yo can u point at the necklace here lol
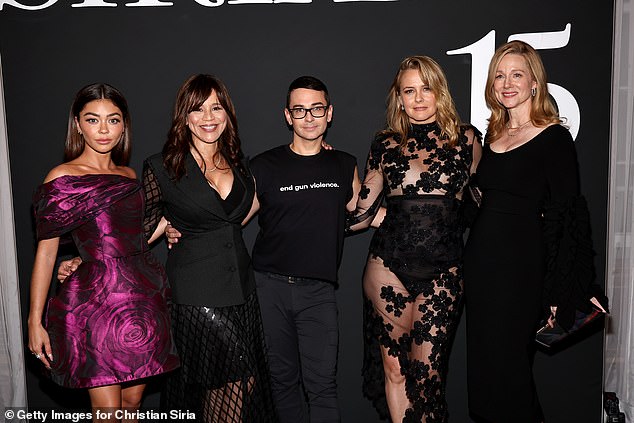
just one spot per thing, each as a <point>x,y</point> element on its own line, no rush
<point>516,130</point>
<point>216,164</point>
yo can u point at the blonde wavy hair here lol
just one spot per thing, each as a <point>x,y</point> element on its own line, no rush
<point>543,111</point>
<point>397,121</point>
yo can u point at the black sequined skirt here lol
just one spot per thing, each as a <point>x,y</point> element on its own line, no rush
<point>224,374</point>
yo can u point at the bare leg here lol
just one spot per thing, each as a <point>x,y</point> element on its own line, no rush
<point>415,337</point>
<point>396,322</point>
<point>131,399</point>
<point>106,400</point>
<point>394,387</point>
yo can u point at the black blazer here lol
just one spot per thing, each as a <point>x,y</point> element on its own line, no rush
<point>210,265</point>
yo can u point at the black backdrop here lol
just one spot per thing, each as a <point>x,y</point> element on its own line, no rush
<point>257,49</point>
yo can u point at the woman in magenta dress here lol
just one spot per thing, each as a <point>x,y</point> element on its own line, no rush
<point>108,326</point>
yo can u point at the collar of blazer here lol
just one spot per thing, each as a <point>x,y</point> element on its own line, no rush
<point>194,186</point>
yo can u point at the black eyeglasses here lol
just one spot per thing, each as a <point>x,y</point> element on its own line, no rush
<point>316,112</point>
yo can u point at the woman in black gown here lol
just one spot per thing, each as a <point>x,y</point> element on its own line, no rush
<point>529,246</point>
<point>413,278</point>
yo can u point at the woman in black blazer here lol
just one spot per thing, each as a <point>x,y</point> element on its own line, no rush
<point>201,184</point>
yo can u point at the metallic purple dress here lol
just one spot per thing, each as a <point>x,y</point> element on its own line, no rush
<point>109,321</point>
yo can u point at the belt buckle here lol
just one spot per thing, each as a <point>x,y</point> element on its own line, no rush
<point>291,280</point>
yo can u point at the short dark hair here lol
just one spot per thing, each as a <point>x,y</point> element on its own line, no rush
<point>308,82</point>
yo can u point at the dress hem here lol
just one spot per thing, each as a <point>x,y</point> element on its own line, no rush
<point>114,381</point>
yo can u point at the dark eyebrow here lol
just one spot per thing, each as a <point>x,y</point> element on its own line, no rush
<point>95,114</point>
<point>301,106</point>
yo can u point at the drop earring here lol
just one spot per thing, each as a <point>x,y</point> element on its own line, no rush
<point>533,91</point>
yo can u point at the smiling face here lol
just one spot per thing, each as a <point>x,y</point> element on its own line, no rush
<point>308,128</point>
<point>101,124</point>
<point>207,122</point>
<point>417,98</point>
<point>513,82</point>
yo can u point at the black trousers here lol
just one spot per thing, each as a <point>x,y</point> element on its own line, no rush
<point>301,333</point>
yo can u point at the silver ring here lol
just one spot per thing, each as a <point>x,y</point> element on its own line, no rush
<point>38,356</point>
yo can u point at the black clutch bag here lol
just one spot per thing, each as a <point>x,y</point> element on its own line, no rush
<point>556,336</point>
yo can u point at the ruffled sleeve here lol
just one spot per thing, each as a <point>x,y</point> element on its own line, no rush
<point>68,202</point>
<point>570,273</point>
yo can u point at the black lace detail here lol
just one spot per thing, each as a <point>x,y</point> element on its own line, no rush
<point>413,279</point>
<point>153,201</point>
<point>395,302</point>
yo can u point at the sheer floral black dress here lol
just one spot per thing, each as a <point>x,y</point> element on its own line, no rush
<point>413,277</point>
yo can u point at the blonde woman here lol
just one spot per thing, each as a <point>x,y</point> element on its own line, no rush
<point>421,164</point>
<point>529,250</point>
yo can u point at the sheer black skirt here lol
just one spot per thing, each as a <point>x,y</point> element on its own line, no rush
<point>224,375</point>
<point>416,325</point>
<point>413,289</point>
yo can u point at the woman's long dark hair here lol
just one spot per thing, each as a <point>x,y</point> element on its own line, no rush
<point>75,141</point>
<point>194,92</point>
